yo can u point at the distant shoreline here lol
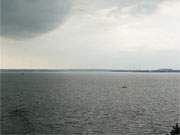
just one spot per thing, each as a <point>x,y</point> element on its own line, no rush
<point>91,70</point>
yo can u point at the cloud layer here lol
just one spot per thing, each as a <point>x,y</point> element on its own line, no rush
<point>28,18</point>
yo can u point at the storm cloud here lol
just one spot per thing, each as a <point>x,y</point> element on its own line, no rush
<point>29,18</point>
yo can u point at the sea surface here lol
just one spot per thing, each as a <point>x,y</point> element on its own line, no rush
<point>89,103</point>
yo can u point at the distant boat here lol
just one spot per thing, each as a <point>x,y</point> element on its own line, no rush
<point>124,86</point>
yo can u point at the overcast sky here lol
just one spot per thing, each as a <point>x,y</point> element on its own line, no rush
<point>108,34</point>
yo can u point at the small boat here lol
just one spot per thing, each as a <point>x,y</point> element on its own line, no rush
<point>124,86</point>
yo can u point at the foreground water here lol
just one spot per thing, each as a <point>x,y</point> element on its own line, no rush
<point>94,103</point>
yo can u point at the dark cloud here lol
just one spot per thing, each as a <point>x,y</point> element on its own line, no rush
<point>28,18</point>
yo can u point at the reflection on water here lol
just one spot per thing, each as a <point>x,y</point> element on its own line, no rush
<point>89,103</point>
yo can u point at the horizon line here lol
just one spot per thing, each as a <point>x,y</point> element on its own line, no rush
<point>86,69</point>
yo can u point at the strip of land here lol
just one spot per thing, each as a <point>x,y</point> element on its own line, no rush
<point>89,70</point>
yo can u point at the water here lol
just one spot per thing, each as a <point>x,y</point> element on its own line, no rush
<point>89,103</point>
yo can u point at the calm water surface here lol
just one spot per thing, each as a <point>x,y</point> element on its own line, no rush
<point>94,103</point>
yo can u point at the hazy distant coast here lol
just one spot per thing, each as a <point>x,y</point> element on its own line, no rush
<point>90,70</point>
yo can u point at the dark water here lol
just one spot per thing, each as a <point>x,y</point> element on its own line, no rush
<point>89,103</point>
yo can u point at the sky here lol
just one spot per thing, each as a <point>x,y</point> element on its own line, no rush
<point>86,34</point>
